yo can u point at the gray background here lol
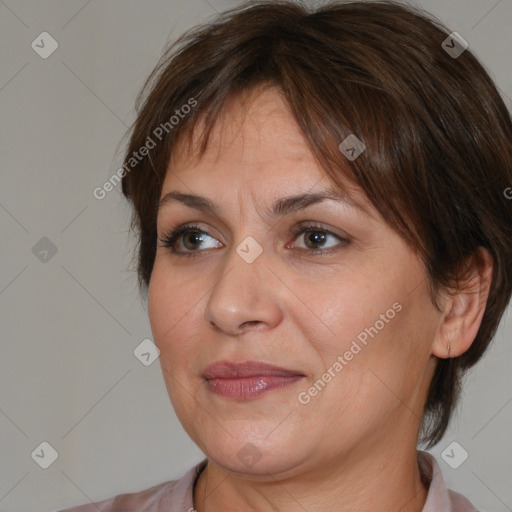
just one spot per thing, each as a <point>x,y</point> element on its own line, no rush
<point>70,324</point>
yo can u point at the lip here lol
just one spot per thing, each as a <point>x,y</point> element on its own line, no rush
<point>232,370</point>
<point>248,379</point>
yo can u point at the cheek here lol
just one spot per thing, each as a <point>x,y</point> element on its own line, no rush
<point>172,313</point>
<point>342,310</point>
<point>174,317</point>
<point>392,365</point>
<point>374,325</point>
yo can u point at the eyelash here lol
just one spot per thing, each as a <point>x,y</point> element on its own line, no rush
<point>169,240</point>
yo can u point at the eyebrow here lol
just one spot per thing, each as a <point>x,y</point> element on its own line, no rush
<point>281,207</point>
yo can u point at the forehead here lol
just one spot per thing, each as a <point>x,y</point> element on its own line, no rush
<point>258,150</point>
<point>256,136</point>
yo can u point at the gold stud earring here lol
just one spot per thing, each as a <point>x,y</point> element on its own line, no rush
<point>448,349</point>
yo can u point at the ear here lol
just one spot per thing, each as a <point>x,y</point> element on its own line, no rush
<point>464,308</point>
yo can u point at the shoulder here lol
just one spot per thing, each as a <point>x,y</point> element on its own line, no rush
<point>460,503</point>
<point>128,502</point>
<point>175,495</point>
<point>439,497</point>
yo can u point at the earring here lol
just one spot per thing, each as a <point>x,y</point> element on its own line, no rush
<point>448,349</point>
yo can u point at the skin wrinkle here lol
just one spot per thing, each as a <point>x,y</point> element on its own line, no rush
<point>354,443</point>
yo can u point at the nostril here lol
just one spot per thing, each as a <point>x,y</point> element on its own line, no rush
<point>250,322</point>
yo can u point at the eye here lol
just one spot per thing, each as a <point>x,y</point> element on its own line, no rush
<point>189,237</point>
<point>316,237</point>
<point>187,240</point>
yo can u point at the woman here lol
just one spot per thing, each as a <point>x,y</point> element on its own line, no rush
<point>325,242</point>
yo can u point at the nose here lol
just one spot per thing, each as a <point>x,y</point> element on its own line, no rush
<point>245,297</point>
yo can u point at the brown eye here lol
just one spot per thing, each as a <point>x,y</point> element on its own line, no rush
<point>313,238</point>
<point>194,238</point>
<point>186,240</point>
<point>316,237</point>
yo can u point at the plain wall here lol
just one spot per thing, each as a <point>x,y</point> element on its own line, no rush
<point>70,324</point>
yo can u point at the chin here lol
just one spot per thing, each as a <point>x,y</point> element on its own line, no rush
<point>251,452</point>
<point>254,460</point>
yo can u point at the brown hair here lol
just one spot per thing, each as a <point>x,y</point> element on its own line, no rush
<point>438,136</point>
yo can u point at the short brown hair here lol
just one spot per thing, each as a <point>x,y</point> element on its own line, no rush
<point>438,136</point>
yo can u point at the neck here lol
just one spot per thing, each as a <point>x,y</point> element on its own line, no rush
<point>362,484</point>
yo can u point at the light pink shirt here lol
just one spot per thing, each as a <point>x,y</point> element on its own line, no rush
<point>177,495</point>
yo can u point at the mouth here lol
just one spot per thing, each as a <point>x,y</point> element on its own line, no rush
<point>247,380</point>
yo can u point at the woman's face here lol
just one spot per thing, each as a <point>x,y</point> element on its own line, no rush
<point>352,328</point>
